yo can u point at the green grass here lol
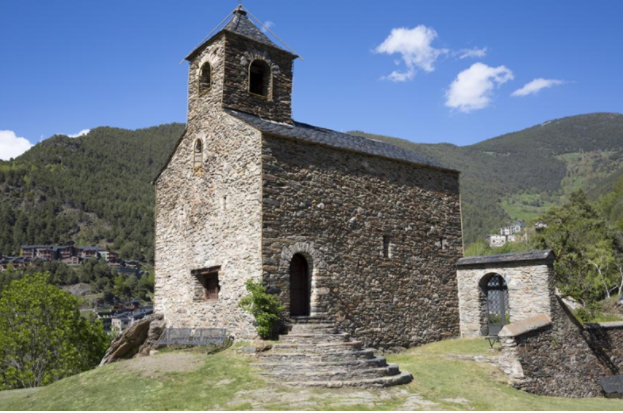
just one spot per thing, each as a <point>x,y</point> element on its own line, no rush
<point>445,378</point>
<point>525,207</point>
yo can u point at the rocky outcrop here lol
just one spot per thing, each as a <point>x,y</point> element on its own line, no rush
<point>130,342</point>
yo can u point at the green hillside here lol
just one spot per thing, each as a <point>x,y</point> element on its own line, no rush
<point>93,189</point>
<point>96,189</point>
<point>521,174</point>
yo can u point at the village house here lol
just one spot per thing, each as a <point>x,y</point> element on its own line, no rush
<point>343,229</point>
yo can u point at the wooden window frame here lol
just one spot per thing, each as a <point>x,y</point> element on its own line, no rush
<point>205,277</point>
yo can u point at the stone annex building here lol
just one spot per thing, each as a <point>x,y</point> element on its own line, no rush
<point>358,232</point>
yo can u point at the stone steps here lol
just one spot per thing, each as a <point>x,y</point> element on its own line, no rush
<point>309,319</point>
<point>313,328</point>
<point>310,338</point>
<point>387,381</point>
<point>323,365</point>
<point>315,354</point>
<point>317,357</point>
<point>318,348</point>
<point>331,374</point>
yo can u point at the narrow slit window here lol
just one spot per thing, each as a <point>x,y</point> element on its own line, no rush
<point>207,286</point>
<point>205,78</point>
<point>259,78</point>
<point>198,156</point>
<point>386,246</point>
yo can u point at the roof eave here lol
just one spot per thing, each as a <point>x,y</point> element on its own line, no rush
<point>423,165</point>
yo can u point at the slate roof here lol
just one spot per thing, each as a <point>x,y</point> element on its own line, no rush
<point>241,25</point>
<point>513,256</point>
<point>328,137</point>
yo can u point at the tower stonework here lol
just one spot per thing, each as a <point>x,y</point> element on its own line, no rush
<point>231,53</point>
<point>366,234</point>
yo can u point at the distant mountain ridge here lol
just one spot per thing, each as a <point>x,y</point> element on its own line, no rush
<point>96,189</point>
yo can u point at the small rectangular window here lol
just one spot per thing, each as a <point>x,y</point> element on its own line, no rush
<point>207,286</point>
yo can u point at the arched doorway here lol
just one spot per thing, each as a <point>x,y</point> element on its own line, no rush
<point>498,313</point>
<point>299,286</point>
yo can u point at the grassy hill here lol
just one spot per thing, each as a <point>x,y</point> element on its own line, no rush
<point>450,375</point>
<point>96,189</point>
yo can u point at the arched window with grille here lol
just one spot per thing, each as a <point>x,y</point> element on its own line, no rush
<point>205,78</point>
<point>259,78</point>
<point>198,156</point>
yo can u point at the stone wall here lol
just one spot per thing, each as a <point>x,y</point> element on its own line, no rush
<point>530,291</point>
<point>335,207</point>
<point>206,218</point>
<point>564,358</point>
<point>239,53</point>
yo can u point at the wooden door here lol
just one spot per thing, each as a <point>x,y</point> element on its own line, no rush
<point>299,286</point>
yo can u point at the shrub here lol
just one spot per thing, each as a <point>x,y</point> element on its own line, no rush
<point>265,307</point>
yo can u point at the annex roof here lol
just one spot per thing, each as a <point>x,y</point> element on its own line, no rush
<point>536,255</point>
<point>328,137</point>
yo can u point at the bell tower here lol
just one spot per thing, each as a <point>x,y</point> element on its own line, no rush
<point>240,68</point>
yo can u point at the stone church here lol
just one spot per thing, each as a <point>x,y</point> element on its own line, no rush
<point>341,228</point>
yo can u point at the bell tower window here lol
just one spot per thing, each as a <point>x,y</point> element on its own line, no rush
<point>198,156</point>
<point>205,78</point>
<point>259,78</point>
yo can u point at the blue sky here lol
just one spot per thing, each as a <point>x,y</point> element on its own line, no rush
<point>442,71</point>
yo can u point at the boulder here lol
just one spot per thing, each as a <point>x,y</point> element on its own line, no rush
<point>128,343</point>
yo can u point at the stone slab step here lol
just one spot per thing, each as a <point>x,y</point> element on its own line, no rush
<point>314,338</point>
<point>350,365</point>
<point>324,328</point>
<point>333,374</point>
<point>317,348</point>
<point>273,356</point>
<point>320,318</point>
<point>387,381</point>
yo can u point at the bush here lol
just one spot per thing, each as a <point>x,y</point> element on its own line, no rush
<point>589,313</point>
<point>265,307</point>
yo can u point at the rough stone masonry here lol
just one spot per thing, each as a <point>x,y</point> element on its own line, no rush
<point>248,189</point>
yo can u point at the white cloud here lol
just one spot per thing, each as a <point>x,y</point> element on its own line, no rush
<point>81,133</point>
<point>533,87</point>
<point>267,25</point>
<point>473,87</point>
<point>12,146</point>
<point>475,52</point>
<point>414,46</point>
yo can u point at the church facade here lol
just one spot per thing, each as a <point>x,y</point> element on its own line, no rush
<point>341,228</point>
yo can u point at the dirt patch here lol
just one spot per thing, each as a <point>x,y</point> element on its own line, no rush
<point>162,363</point>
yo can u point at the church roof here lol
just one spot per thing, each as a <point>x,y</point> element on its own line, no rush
<point>241,25</point>
<point>328,137</point>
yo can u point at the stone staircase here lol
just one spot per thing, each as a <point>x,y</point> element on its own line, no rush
<point>315,354</point>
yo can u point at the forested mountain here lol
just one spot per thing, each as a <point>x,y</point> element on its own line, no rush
<point>96,189</point>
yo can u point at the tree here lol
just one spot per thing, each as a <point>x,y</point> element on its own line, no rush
<point>43,338</point>
<point>585,245</point>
